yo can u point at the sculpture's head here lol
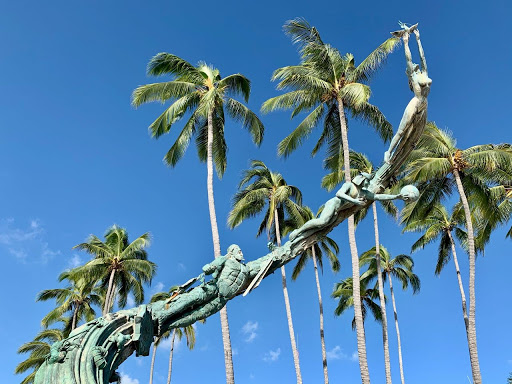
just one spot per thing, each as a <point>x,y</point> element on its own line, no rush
<point>419,82</point>
<point>235,251</point>
<point>362,180</point>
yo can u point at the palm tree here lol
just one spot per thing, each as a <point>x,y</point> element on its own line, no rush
<point>437,165</point>
<point>360,163</point>
<point>201,91</point>
<point>400,268</point>
<point>344,291</point>
<point>501,198</point>
<point>260,188</point>
<point>440,225</point>
<point>188,331</point>
<point>39,350</point>
<point>328,84</point>
<point>119,266</point>
<point>315,253</point>
<point>76,298</point>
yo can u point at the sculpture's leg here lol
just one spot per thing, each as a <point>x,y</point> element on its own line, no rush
<point>205,311</point>
<point>196,298</point>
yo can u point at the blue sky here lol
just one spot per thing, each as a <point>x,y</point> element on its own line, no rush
<point>75,158</point>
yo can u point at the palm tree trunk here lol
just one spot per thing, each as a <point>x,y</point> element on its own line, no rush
<point>112,298</point>
<point>321,307</point>
<point>387,362</point>
<point>473,351</point>
<point>397,331</point>
<point>228,358</point>
<point>153,362</point>
<point>74,321</point>
<point>109,290</point>
<point>358,313</point>
<point>459,278</point>
<point>295,351</point>
<point>170,356</point>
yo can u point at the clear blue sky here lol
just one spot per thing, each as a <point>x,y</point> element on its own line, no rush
<point>75,158</point>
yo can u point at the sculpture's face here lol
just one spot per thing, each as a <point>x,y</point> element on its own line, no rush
<point>236,252</point>
<point>421,83</point>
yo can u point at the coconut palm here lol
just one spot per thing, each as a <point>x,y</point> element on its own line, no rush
<point>344,291</point>
<point>501,196</point>
<point>360,163</point>
<point>315,253</point>
<point>188,332</point>
<point>261,189</point>
<point>39,349</point>
<point>445,227</point>
<point>201,92</point>
<point>401,268</point>
<point>327,85</point>
<point>119,266</point>
<point>76,298</point>
<point>438,165</point>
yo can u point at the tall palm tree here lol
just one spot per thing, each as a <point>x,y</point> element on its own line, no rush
<point>401,268</point>
<point>261,189</point>
<point>344,291</point>
<point>201,92</point>
<point>437,165</point>
<point>315,253</point>
<point>119,266</point>
<point>360,163</point>
<point>76,298</point>
<point>328,84</point>
<point>443,226</point>
<point>39,350</point>
<point>188,331</point>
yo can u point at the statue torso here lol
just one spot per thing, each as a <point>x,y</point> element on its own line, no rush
<point>231,278</point>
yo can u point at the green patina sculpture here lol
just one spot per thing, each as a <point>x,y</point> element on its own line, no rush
<point>92,353</point>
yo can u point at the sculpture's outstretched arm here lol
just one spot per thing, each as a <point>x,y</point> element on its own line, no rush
<point>408,55</point>
<point>420,49</point>
<point>379,196</point>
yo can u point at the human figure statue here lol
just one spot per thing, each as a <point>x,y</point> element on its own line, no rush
<point>415,115</point>
<point>92,352</point>
<point>350,193</point>
<point>228,275</point>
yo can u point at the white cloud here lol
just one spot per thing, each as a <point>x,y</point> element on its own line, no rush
<point>74,261</point>
<point>249,330</point>
<point>139,361</point>
<point>20,254</point>
<point>158,287</point>
<point>182,266</point>
<point>130,301</point>
<point>47,254</point>
<point>125,379</point>
<point>272,355</point>
<point>25,244</point>
<point>336,353</point>
<point>234,351</point>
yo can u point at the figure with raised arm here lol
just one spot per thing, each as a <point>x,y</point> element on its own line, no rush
<point>415,115</point>
<point>350,193</point>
